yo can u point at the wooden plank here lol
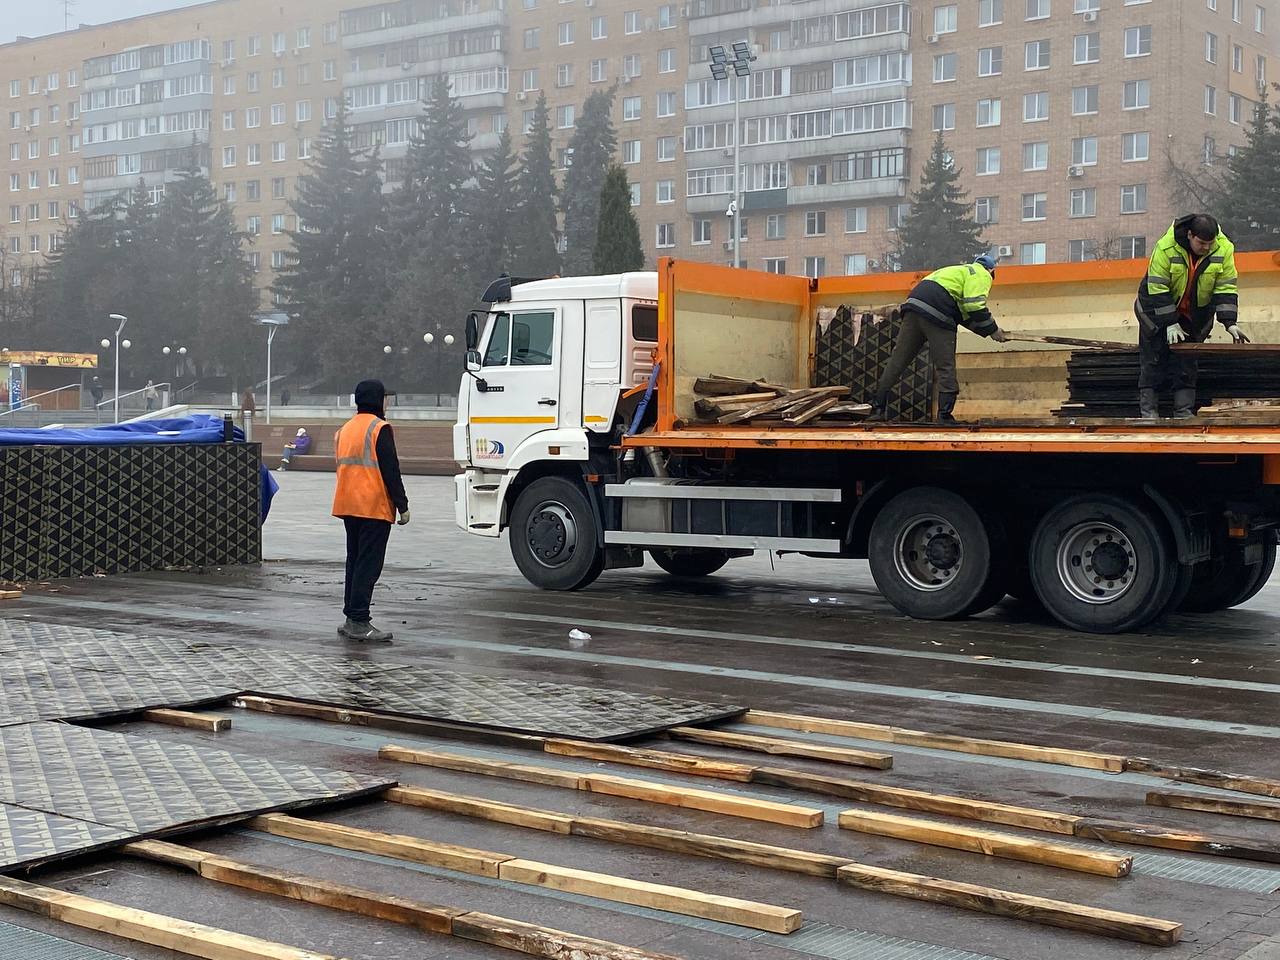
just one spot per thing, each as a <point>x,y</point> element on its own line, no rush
<point>689,798</point>
<point>783,402</point>
<point>1047,821</point>
<point>183,718</point>
<point>939,741</point>
<point>658,759</point>
<point>170,933</point>
<point>1005,903</point>
<point>482,863</point>
<point>1258,810</point>
<point>988,842</point>
<point>670,795</point>
<point>809,413</point>
<point>658,896</point>
<point>1240,783</point>
<point>543,941</point>
<point>721,386</point>
<point>1151,835</point>
<point>519,816</point>
<point>10,594</point>
<point>783,747</point>
<point>489,768</point>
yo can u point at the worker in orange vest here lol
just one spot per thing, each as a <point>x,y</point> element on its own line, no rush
<point>369,495</point>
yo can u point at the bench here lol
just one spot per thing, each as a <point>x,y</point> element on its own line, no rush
<point>425,448</point>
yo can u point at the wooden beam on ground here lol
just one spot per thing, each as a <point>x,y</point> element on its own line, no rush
<point>491,810</point>
<point>669,795</point>
<point>447,856</point>
<point>939,741</point>
<point>782,747</point>
<point>183,718</point>
<point>988,842</point>
<point>657,759</point>
<point>1240,783</point>
<point>10,594</point>
<point>658,896</point>
<point>170,933</point>
<point>430,918</point>
<point>1153,835</point>
<point>1257,810</point>
<point>1004,903</point>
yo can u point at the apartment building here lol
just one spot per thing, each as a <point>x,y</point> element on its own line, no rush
<point>1062,115</point>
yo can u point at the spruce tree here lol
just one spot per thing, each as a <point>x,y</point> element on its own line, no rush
<point>617,247</point>
<point>594,144</point>
<point>334,279</point>
<point>494,212</point>
<point>534,251</point>
<point>1249,204</point>
<point>940,229</point>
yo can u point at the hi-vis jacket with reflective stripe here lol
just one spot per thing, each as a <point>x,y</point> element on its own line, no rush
<point>1212,279</point>
<point>955,296</point>
<point>361,491</point>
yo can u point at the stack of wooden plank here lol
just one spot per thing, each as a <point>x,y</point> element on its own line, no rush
<point>728,400</point>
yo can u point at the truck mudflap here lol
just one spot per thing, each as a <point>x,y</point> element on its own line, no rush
<point>477,504</point>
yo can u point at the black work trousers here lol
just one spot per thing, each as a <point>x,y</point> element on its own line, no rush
<point>366,551</point>
<point>914,333</point>
<point>1160,368</point>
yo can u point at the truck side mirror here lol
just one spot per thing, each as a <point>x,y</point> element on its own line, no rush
<point>473,334</point>
<point>473,360</point>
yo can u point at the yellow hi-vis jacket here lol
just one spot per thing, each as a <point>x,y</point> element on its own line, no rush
<point>1178,288</point>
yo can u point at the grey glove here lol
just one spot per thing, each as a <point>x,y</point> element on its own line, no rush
<point>999,336</point>
<point>1174,333</point>
<point>404,518</point>
<point>1237,335</point>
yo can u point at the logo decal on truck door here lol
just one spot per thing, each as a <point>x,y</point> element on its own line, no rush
<point>489,449</point>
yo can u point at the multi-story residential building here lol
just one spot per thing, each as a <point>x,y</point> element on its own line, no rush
<point>1062,115</point>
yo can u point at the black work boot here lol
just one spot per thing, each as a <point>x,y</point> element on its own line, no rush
<point>947,404</point>
<point>363,632</point>
<point>879,409</point>
<point>1184,404</point>
<point>1148,404</point>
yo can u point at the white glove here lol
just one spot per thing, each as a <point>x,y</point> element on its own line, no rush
<point>1237,335</point>
<point>1174,333</point>
<point>404,518</point>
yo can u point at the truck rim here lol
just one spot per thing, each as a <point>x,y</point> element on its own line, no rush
<point>1096,562</point>
<point>928,552</point>
<point>552,534</point>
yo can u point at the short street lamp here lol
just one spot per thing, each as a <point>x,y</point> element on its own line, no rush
<point>740,62</point>
<point>273,322</point>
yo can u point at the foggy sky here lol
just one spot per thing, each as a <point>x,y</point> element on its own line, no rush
<point>35,18</point>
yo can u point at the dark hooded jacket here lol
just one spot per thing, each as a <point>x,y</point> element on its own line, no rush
<point>371,397</point>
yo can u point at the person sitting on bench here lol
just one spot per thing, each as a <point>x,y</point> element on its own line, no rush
<point>298,446</point>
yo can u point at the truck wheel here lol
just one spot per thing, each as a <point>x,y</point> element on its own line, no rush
<point>930,554</point>
<point>554,537</point>
<point>1260,574</point>
<point>1103,564</point>
<point>689,563</point>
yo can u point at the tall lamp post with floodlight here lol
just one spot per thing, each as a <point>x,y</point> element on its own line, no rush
<point>740,63</point>
<point>273,322</point>
<point>121,320</point>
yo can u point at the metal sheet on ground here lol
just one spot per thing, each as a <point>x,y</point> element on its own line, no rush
<point>30,837</point>
<point>27,944</point>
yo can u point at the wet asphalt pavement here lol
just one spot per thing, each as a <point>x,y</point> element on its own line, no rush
<point>785,634</point>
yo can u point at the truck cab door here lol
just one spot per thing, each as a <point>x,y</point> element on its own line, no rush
<point>517,393</point>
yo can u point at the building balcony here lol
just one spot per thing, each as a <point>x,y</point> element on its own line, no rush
<point>426,28</point>
<point>398,71</point>
<point>885,188</point>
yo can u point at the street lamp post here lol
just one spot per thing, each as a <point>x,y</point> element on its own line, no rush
<point>273,322</point>
<point>122,320</point>
<point>741,64</point>
<point>428,339</point>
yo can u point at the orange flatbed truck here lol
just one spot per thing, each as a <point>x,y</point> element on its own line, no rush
<point>576,434</point>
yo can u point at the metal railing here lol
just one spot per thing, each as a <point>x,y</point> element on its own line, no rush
<point>29,403</point>
<point>158,387</point>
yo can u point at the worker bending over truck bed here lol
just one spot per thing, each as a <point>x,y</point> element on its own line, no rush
<point>1191,277</point>
<point>940,303</point>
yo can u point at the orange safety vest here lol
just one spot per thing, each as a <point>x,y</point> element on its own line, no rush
<point>361,492</point>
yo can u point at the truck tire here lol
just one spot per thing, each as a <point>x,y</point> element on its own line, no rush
<point>554,537</point>
<point>689,563</point>
<point>1226,581</point>
<point>930,554</point>
<point>1260,574</point>
<point>1103,563</point>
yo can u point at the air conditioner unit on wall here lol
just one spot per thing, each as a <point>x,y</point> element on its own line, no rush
<point>932,38</point>
<point>1091,16</point>
<point>1005,251</point>
<point>522,96</point>
<point>1075,171</point>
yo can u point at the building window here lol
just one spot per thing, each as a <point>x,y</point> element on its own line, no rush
<point>1133,198</point>
<point>816,175</point>
<point>631,108</point>
<point>252,117</point>
<point>855,264</point>
<point>15,88</point>
<point>1035,107</point>
<point>667,16</point>
<point>564,33</point>
<point>1084,151</point>
<point>253,153</point>
<point>988,161</point>
<point>1037,55</point>
<point>599,30</point>
<point>253,189</point>
<point>855,220</point>
<point>944,67</point>
<point>1087,6</point>
<point>531,35</point>
<point>986,210</point>
<point>1137,94</point>
<point>529,79</point>
<point>1084,202</point>
<point>1237,58</point>
<point>944,19</point>
<point>666,191</point>
<point>1210,100</point>
<point>331,32</point>
<point>666,149</point>
<point>303,37</point>
<point>667,103</point>
<point>251,81</point>
<point>666,235</point>
<point>815,223</point>
<point>564,75</point>
<point>277,224</point>
<point>775,226</point>
<point>1035,206</point>
<point>229,156</point>
<point>1211,47</point>
<point>1235,10</point>
<point>1037,9</point>
<point>279,151</point>
<point>1035,156</point>
<point>253,226</point>
<point>1260,70</point>
<point>330,70</point>
<point>302,111</point>
<point>1259,19</point>
<point>944,116</point>
<point>1137,41</point>
<point>667,60</point>
<point>815,267</point>
<point>990,12</point>
<point>277,188</point>
<point>229,192</point>
<point>1088,48</point>
<point>631,65</point>
<point>701,231</point>
<point>277,78</point>
<point>565,116</point>
<point>630,151</point>
<point>631,22</point>
<point>1133,247</point>
<point>989,112</point>
<point>1032,253</point>
<point>1233,108</point>
<point>1135,146</point>
<point>990,61</point>
<point>1078,251</point>
<point>1084,100</point>
<point>598,71</point>
<point>774,264</point>
<point>277,114</point>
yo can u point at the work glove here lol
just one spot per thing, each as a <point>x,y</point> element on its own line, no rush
<point>999,336</point>
<point>1237,335</point>
<point>404,518</point>
<point>1174,333</point>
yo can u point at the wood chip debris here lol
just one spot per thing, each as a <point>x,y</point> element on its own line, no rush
<point>730,400</point>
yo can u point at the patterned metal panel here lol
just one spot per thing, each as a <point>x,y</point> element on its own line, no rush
<point>19,943</point>
<point>855,349</point>
<point>75,510</point>
<point>149,786</point>
<point>29,837</point>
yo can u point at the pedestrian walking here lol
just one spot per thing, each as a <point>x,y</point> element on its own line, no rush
<point>284,397</point>
<point>369,495</point>
<point>95,391</point>
<point>248,403</point>
<point>150,394</point>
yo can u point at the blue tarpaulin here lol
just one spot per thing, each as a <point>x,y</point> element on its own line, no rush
<point>197,428</point>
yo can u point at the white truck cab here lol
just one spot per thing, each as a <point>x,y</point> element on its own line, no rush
<point>546,366</point>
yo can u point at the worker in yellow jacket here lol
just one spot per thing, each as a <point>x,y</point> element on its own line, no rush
<point>1190,279</point>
